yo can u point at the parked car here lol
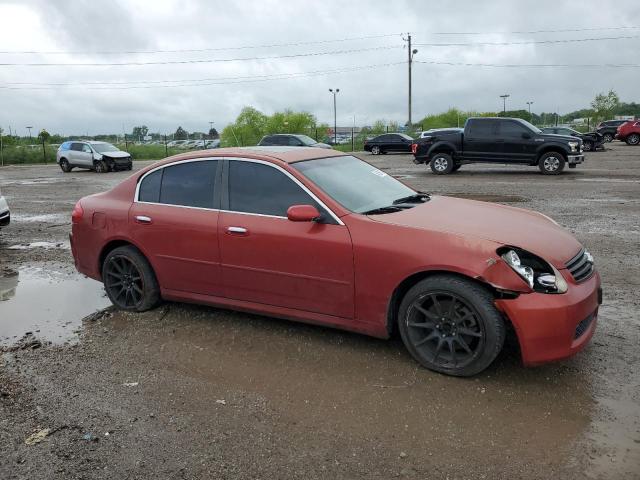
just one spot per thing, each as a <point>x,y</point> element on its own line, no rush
<point>426,133</point>
<point>290,140</point>
<point>389,142</point>
<point>608,129</point>
<point>176,143</point>
<point>215,143</point>
<point>98,156</point>
<point>629,132</point>
<point>591,141</point>
<point>322,237</point>
<point>511,141</point>
<point>5,214</point>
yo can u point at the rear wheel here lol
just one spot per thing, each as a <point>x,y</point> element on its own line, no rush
<point>633,139</point>
<point>449,324</point>
<point>551,163</point>
<point>65,166</point>
<point>607,137</point>
<point>129,280</point>
<point>441,164</point>
<point>375,150</point>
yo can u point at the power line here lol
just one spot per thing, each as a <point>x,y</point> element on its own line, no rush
<point>194,50</point>
<point>216,60</point>
<point>532,65</point>
<point>522,32</point>
<point>527,42</point>
<point>198,82</point>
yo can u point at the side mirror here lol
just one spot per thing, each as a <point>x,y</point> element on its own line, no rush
<point>526,136</point>
<point>303,213</point>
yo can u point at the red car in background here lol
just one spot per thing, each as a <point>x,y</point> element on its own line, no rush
<point>323,237</point>
<point>629,132</point>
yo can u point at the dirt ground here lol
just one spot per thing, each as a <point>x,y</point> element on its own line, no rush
<point>186,392</point>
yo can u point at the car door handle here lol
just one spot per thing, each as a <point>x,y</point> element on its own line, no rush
<point>143,219</point>
<point>237,231</point>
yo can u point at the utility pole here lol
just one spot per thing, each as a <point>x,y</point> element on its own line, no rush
<point>29,128</point>
<point>504,103</point>
<point>410,54</point>
<point>530,117</point>
<point>335,117</point>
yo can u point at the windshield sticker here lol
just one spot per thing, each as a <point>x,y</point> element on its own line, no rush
<point>379,173</point>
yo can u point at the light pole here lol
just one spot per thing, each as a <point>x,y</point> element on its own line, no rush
<point>530,117</point>
<point>29,128</point>
<point>411,52</point>
<point>504,103</point>
<point>335,118</point>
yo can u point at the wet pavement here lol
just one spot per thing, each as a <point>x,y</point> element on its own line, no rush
<point>193,392</point>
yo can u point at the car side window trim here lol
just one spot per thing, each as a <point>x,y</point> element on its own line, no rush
<point>289,175</point>
<point>216,186</point>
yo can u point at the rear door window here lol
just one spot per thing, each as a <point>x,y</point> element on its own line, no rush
<point>150,187</point>
<point>262,189</point>
<point>482,128</point>
<point>76,147</point>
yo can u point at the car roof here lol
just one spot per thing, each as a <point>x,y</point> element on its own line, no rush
<point>269,154</point>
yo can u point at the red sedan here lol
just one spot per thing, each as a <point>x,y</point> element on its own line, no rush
<point>326,238</point>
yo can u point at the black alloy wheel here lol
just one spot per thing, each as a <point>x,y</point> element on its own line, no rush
<point>588,146</point>
<point>633,139</point>
<point>100,167</point>
<point>64,165</point>
<point>608,137</point>
<point>129,280</point>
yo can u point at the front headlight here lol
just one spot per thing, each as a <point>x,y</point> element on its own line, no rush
<point>539,275</point>
<point>574,146</point>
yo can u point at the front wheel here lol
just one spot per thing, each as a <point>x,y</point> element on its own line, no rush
<point>442,164</point>
<point>633,139</point>
<point>100,167</point>
<point>551,163</point>
<point>449,324</point>
<point>65,166</point>
<point>588,146</point>
<point>607,137</point>
<point>129,280</point>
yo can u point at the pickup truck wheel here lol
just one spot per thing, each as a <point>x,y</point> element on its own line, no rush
<point>607,137</point>
<point>441,164</point>
<point>551,163</point>
<point>450,324</point>
<point>633,139</point>
<point>375,150</point>
<point>588,146</point>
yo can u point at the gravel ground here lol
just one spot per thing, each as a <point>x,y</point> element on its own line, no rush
<point>195,392</point>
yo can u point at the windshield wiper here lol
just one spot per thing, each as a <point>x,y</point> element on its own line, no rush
<point>418,197</point>
<point>380,210</point>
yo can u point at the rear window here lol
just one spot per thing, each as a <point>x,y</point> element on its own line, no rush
<point>65,146</point>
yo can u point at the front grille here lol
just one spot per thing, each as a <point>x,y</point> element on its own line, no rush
<point>583,326</point>
<point>581,266</point>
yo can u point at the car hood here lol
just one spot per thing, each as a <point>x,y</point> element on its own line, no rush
<point>501,224</point>
<point>556,137</point>
<point>118,154</point>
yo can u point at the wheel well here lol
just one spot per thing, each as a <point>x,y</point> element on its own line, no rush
<point>110,247</point>
<point>407,283</point>
<point>443,149</point>
<point>551,149</point>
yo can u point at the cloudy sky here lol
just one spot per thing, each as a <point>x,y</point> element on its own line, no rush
<point>189,62</point>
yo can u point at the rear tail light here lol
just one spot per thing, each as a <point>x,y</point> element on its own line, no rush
<point>414,148</point>
<point>78,212</point>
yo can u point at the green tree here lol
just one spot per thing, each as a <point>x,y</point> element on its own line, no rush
<point>140,131</point>
<point>604,105</point>
<point>213,134</point>
<point>44,136</point>
<point>181,134</point>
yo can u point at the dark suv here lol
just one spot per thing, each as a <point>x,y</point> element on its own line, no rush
<point>290,140</point>
<point>608,129</point>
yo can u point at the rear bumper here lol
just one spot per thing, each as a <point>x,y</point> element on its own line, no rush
<point>554,327</point>
<point>575,159</point>
<point>5,214</point>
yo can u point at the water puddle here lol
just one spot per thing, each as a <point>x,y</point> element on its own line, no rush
<point>36,181</point>
<point>607,180</point>
<point>45,245</point>
<point>47,303</point>
<point>43,218</point>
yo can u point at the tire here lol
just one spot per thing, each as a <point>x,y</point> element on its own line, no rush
<point>449,324</point>
<point>633,139</point>
<point>65,166</point>
<point>588,146</point>
<point>551,163</point>
<point>130,166</point>
<point>607,137</point>
<point>100,167</point>
<point>375,150</point>
<point>441,164</point>
<point>129,280</point>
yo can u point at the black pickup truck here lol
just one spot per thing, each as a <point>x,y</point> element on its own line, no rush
<point>498,140</point>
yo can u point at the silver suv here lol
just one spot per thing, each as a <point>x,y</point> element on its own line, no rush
<point>99,156</point>
<point>5,215</point>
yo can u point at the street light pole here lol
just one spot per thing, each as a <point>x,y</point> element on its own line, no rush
<point>29,128</point>
<point>335,117</point>
<point>504,103</point>
<point>530,117</point>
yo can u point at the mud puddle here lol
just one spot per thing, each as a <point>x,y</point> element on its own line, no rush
<point>45,245</point>
<point>42,218</point>
<point>47,303</point>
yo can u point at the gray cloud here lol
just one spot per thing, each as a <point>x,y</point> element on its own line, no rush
<point>98,25</point>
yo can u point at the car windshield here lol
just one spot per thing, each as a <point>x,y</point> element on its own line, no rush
<point>354,184</point>
<point>306,140</point>
<point>529,125</point>
<point>104,147</point>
